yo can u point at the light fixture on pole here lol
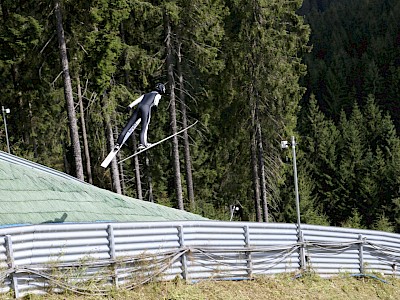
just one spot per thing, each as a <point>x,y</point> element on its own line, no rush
<point>236,209</point>
<point>6,111</point>
<point>285,145</point>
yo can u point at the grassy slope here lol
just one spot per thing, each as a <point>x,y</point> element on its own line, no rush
<point>271,288</point>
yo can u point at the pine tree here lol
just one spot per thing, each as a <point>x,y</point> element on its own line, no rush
<point>172,109</point>
<point>320,147</point>
<point>352,165</point>
<point>384,144</point>
<point>68,93</point>
<point>140,67</point>
<point>84,131</point>
<point>354,221</point>
<point>351,154</point>
<point>197,42</point>
<point>20,36</point>
<point>265,41</point>
<point>354,53</point>
<point>383,224</point>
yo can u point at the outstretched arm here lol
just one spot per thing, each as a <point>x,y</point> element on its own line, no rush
<point>136,102</point>
<point>157,99</point>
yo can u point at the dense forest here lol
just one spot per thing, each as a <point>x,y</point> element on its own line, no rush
<point>253,73</point>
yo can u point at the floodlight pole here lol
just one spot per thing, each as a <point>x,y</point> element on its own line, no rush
<point>6,110</point>
<point>285,145</point>
<point>296,186</point>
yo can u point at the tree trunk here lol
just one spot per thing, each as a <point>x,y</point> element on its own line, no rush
<point>68,94</point>
<point>135,159</point>
<point>254,163</point>
<point>84,134</point>
<point>172,111</point>
<point>256,181</point>
<point>149,179</point>
<point>120,167</point>
<point>261,167</point>
<point>4,11</point>
<point>188,159</point>
<point>139,192</point>
<point>34,141</point>
<point>116,184</point>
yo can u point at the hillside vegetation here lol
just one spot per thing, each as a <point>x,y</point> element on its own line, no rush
<point>281,287</point>
<point>253,73</point>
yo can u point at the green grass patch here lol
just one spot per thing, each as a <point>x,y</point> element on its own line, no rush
<point>280,287</point>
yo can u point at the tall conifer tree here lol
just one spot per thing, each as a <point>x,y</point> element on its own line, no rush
<point>74,133</point>
<point>266,40</point>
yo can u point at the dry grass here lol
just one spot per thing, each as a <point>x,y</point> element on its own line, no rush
<point>283,287</point>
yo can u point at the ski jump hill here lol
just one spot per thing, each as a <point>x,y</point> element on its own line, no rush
<point>32,194</point>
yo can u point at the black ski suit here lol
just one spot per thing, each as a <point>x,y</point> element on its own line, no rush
<point>143,111</point>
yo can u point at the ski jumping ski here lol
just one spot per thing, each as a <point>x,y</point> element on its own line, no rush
<point>114,152</point>
<point>157,143</point>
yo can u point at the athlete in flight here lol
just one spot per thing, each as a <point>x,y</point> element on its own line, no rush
<point>144,104</point>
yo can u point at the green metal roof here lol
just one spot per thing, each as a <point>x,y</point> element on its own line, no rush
<point>33,194</point>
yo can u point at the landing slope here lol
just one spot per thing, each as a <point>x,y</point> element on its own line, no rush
<point>34,194</point>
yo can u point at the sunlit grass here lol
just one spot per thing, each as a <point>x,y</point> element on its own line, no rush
<point>280,287</point>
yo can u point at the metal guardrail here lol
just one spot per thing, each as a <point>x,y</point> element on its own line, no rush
<point>54,257</point>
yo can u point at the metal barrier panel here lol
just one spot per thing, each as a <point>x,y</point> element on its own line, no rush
<point>331,250</point>
<point>5,283</point>
<point>212,251</point>
<point>149,249</point>
<point>41,249</point>
<point>381,252</point>
<point>60,244</point>
<point>275,244</point>
<point>351,250</point>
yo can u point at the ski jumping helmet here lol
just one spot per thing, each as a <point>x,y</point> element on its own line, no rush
<point>160,88</point>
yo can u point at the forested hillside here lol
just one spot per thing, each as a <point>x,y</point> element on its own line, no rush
<point>350,112</point>
<point>252,73</point>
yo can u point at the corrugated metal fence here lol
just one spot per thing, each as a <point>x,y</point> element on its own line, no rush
<point>79,257</point>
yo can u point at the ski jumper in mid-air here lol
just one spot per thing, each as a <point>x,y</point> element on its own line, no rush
<point>144,104</point>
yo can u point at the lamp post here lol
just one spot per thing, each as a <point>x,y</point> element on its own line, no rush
<point>6,111</point>
<point>296,185</point>
<point>285,145</point>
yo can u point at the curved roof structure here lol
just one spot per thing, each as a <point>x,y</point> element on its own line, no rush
<point>34,194</point>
